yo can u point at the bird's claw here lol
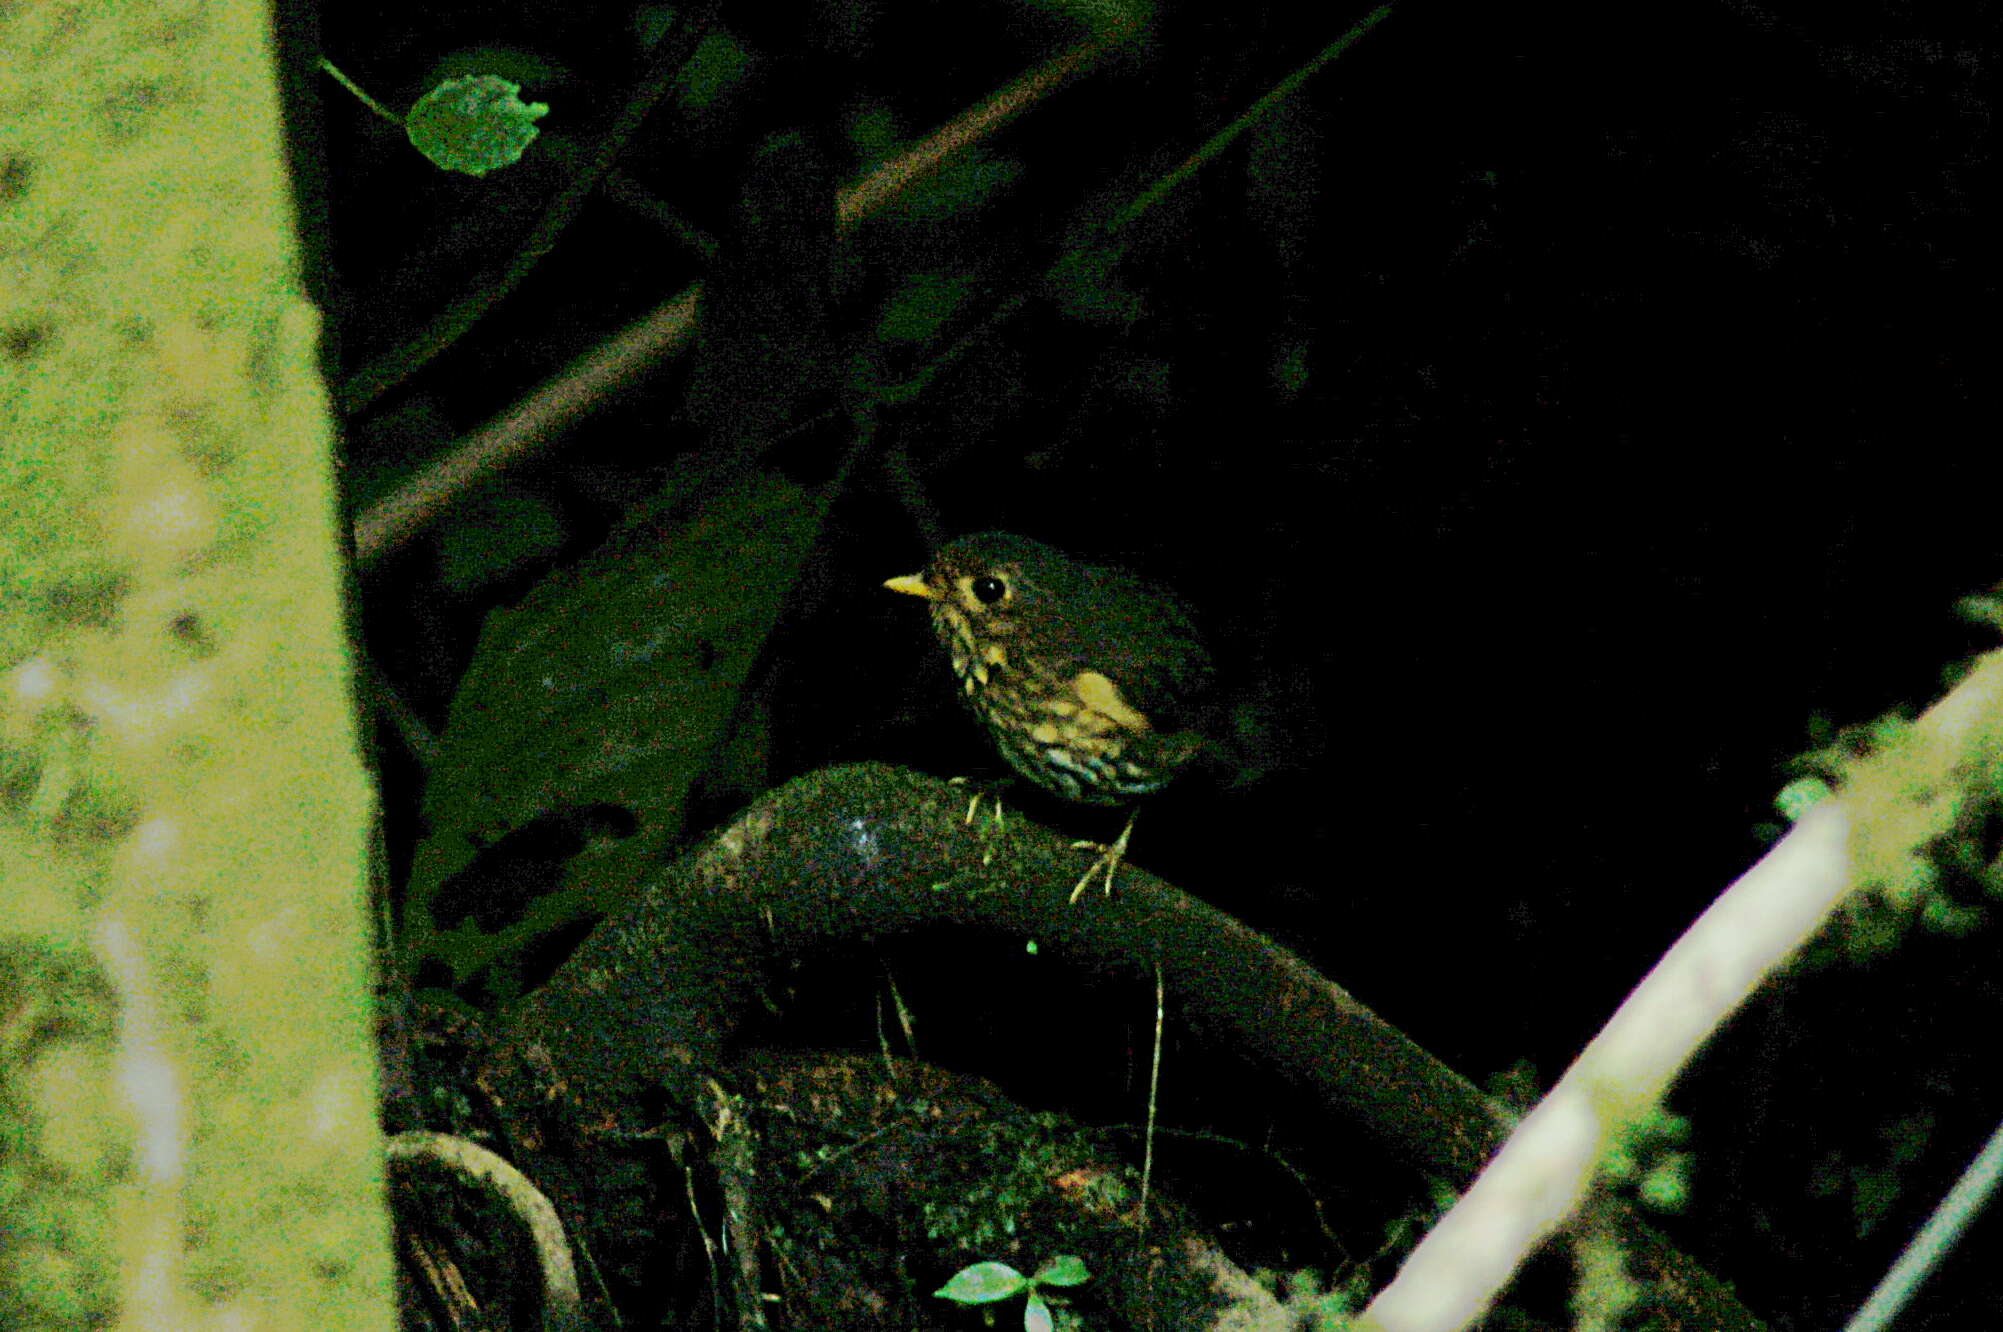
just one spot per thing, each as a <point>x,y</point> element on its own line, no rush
<point>974,804</point>
<point>1108,860</point>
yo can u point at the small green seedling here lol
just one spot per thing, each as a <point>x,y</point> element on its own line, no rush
<point>991,1283</point>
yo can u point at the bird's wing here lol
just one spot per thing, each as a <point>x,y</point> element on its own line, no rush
<point>1153,651</point>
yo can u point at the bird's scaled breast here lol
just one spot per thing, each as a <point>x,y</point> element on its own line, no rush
<point>1057,740</point>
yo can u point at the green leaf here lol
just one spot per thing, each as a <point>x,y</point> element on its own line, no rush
<point>653,22</point>
<point>1986,610</point>
<point>1801,795</point>
<point>1619,1163</point>
<point>957,186</point>
<point>719,64</point>
<point>983,1283</point>
<point>872,131</point>
<point>606,688</point>
<point>1666,1188</point>
<point>1036,1315</point>
<point>474,124</point>
<point>922,306</point>
<point>1066,1269</point>
<point>1950,918</point>
<point>501,530</point>
<point>1085,284</point>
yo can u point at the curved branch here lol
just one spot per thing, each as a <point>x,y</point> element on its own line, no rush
<point>872,851</point>
<point>477,1165</point>
<point>654,995</point>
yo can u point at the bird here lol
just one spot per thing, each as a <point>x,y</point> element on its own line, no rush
<point>1093,683</point>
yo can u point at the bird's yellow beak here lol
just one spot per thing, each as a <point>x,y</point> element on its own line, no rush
<point>914,585</point>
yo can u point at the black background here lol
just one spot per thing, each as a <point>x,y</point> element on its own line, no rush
<point>1553,411</point>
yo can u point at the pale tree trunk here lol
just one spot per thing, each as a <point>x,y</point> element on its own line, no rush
<point>188,1135</point>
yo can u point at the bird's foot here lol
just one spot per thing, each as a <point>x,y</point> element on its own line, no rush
<point>999,817</point>
<point>1107,861</point>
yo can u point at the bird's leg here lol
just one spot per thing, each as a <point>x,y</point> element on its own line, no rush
<point>974,801</point>
<point>1109,857</point>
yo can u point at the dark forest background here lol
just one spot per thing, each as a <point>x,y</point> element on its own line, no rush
<point>1561,419</point>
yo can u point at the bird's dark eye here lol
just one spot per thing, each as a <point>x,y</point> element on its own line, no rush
<point>988,590</point>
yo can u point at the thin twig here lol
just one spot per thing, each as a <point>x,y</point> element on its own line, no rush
<point>873,192</point>
<point>419,740</point>
<point>1154,1094</point>
<point>1337,1249</point>
<point>630,194</point>
<point>1949,1220</point>
<point>1257,112</point>
<point>371,103</point>
<point>532,423</point>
